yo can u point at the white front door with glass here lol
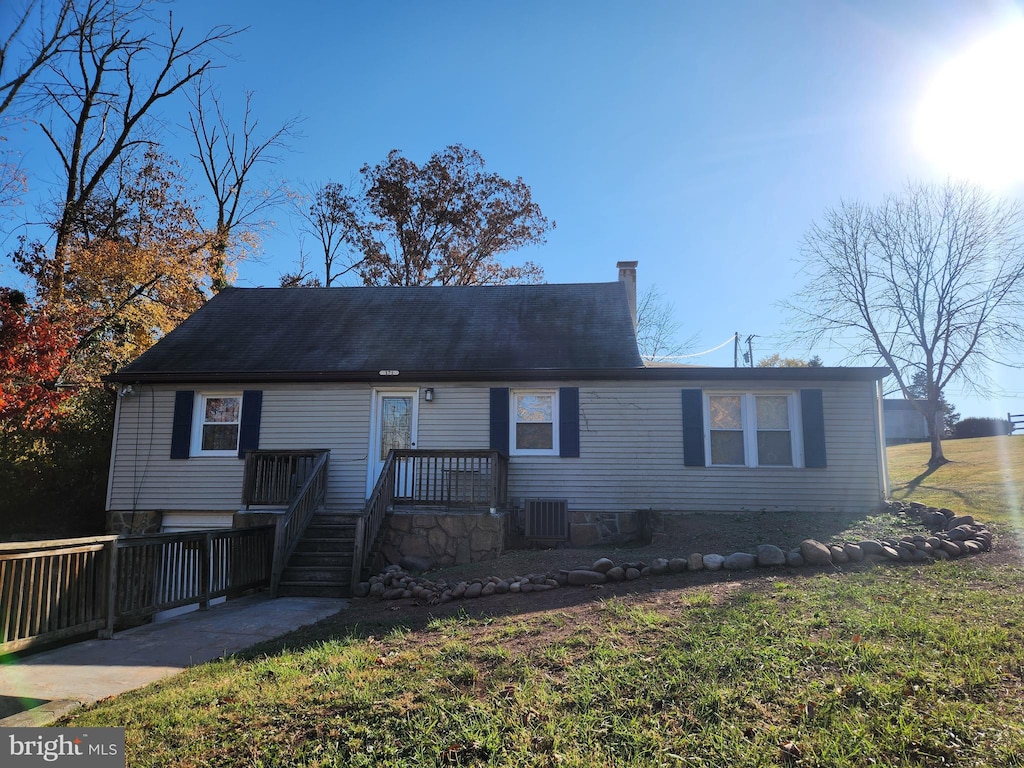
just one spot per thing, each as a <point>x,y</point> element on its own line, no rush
<point>392,425</point>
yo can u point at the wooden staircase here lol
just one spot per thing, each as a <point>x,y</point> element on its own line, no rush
<point>321,564</point>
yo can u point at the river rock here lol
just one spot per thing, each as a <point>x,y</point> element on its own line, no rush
<point>677,565</point>
<point>953,522</point>
<point>617,573</point>
<point>853,552</point>
<point>603,565</point>
<point>632,574</point>
<point>659,566</point>
<point>713,562</point>
<point>769,555</point>
<point>739,561</point>
<point>794,559</point>
<point>474,590</point>
<point>815,553</point>
<point>695,562</point>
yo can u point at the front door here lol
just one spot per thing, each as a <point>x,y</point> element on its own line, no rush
<point>393,425</point>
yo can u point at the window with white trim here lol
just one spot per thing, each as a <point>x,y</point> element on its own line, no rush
<point>746,429</point>
<point>533,419</point>
<point>216,423</point>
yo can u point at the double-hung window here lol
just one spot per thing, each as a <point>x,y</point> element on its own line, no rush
<point>533,419</point>
<point>752,430</point>
<point>216,424</point>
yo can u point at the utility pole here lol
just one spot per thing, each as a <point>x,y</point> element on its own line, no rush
<point>736,350</point>
<point>750,348</point>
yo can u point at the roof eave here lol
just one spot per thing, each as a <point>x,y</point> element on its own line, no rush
<point>536,374</point>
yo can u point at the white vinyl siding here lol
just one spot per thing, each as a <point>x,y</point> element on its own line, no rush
<point>631,453</point>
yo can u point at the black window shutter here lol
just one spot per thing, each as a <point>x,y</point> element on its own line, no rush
<point>181,423</point>
<point>812,414</point>
<point>569,422</point>
<point>693,428</point>
<point>249,430</point>
<point>499,419</point>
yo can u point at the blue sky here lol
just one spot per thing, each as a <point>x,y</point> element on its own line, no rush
<point>700,139</point>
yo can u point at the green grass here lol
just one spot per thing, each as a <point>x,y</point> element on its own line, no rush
<point>890,666</point>
<point>984,477</point>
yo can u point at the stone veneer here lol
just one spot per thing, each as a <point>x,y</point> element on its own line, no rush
<point>444,538</point>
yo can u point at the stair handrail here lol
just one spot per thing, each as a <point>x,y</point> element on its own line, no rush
<point>292,524</point>
<point>381,500</point>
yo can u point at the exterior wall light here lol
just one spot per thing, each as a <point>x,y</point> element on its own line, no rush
<point>428,394</point>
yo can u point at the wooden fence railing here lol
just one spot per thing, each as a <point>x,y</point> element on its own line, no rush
<point>53,590</point>
<point>274,477</point>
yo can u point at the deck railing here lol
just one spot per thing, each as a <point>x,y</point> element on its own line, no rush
<point>274,477</point>
<point>54,590</point>
<point>292,524</point>
<point>451,478</point>
<point>156,572</point>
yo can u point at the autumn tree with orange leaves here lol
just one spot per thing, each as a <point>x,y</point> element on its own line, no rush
<point>445,222</point>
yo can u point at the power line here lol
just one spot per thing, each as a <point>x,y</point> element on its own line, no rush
<point>695,354</point>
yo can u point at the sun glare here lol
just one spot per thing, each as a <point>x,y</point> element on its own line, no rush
<point>970,122</point>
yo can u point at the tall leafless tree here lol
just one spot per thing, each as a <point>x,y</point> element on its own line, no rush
<point>27,47</point>
<point>325,213</point>
<point>227,158</point>
<point>930,282</point>
<point>100,95</point>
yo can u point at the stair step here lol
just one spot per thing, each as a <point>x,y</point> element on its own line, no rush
<point>288,589</point>
<point>325,545</point>
<point>315,531</point>
<point>329,518</point>
<point>336,559</point>
<point>315,574</point>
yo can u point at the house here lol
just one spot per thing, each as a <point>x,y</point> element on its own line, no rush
<point>443,420</point>
<point>903,422</point>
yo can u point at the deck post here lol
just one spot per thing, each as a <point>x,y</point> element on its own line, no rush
<point>110,589</point>
<point>205,556</point>
<point>358,550</point>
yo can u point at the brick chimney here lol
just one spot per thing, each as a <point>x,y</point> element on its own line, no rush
<point>627,275</point>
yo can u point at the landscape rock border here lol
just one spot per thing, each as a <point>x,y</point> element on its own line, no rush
<point>950,536</point>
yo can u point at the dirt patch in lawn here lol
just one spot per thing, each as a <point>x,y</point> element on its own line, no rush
<point>677,537</point>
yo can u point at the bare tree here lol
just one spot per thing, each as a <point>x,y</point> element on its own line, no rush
<point>657,330</point>
<point>227,158</point>
<point>101,94</point>
<point>37,45</point>
<point>25,49</point>
<point>326,213</point>
<point>930,282</point>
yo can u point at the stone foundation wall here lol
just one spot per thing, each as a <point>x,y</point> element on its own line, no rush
<point>146,521</point>
<point>590,529</point>
<point>444,538</point>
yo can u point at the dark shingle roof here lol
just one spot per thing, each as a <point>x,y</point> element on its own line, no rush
<point>245,333</point>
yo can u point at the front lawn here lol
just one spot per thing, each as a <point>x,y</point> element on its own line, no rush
<point>886,665</point>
